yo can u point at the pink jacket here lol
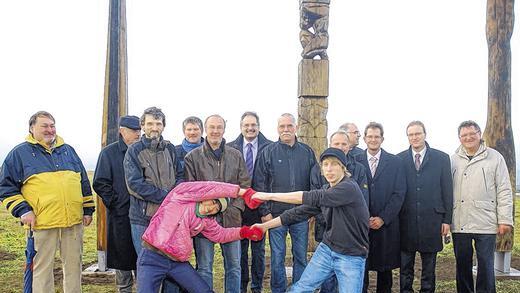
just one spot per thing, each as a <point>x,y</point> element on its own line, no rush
<point>175,222</point>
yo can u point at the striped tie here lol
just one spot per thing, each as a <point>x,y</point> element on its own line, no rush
<point>249,159</point>
<point>417,162</point>
<point>373,166</point>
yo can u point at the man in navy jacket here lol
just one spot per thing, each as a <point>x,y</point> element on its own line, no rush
<point>250,143</point>
<point>427,209</point>
<point>387,187</point>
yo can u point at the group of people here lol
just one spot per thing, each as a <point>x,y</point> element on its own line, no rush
<point>374,210</point>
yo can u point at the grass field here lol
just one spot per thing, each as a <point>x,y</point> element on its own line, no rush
<point>12,245</point>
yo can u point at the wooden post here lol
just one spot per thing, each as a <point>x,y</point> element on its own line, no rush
<point>499,133</point>
<point>115,103</point>
<point>313,81</point>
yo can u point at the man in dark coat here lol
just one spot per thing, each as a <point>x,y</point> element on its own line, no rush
<point>426,213</point>
<point>109,183</point>
<point>250,143</point>
<point>387,188</point>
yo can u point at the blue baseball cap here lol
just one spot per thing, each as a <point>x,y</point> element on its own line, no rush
<point>129,121</point>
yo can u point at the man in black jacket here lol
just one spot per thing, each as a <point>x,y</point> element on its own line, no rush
<point>250,143</point>
<point>427,209</point>
<point>285,166</point>
<point>109,184</point>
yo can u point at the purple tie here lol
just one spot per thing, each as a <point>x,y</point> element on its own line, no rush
<point>417,161</point>
<point>249,159</point>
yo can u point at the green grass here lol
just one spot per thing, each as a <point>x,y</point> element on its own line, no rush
<point>12,246</point>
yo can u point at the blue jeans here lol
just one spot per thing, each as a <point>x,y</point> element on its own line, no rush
<point>137,233</point>
<point>257,264</point>
<point>485,248</point>
<point>277,237</point>
<point>349,270</point>
<point>154,268</point>
<point>204,254</point>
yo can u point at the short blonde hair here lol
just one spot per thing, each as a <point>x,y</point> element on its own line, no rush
<point>334,159</point>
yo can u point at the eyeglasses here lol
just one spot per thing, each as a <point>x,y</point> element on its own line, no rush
<point>415,134</point>
<point>470,134</point>
<point>370,137</point>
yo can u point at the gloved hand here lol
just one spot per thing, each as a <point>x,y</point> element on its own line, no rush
<point>253,233</point>
<point>251,203</point>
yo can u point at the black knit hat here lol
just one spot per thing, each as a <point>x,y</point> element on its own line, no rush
<point>336,153</point>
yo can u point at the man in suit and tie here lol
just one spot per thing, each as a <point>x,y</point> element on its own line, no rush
<point>250,143</point>
<point>427,209</point>
<point>387,187</point>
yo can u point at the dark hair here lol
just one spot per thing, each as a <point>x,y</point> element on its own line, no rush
<point>156,113</point>
<point>217,116</point>
<point>192,120</point>
<point>416,123</point>
<point>250,113</point>
<point>468,123</point>
<point>40,114</point>
<point>375,125</point>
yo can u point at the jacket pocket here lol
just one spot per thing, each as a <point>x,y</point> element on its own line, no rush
<point>486,205</point>
<point>440,210</point>
<point>151,209</point>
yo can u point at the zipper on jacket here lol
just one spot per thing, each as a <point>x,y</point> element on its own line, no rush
<point>485,182</point>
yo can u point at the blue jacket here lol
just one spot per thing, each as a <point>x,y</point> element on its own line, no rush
<point>51,182</point>
<point>386,193</point>
<point>249,216</point>
<point>428,202</point>
<point>151,171</point>
<point>283,168</point>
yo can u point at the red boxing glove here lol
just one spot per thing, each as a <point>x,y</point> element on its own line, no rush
<point>251,203</point>
<point>254,234</point>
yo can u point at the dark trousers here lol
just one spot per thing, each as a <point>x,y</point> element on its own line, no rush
<point>428,260</point>
<point>154,268</point>
<point>257,264</point>
<point>485,248</point>
<point>384,282</point>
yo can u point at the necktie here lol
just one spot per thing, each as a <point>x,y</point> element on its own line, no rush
<point>249,159</point>
<point>417,161</point>
<point>373,165</point>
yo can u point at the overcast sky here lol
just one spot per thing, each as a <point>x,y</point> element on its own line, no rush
<point>390,61</point>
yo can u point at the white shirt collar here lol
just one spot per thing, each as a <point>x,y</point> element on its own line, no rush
<point>377,156</point>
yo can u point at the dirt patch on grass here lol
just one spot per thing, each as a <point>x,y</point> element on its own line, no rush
<point>5,255</point>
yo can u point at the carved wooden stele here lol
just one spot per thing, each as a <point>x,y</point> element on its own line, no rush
<point>313,89</point>
<point>498,133</point>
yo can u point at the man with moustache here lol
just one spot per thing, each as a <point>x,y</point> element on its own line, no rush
<point>192,129</point>
<point>387,188</point>
<point>151,171</point>
<point>215,161</point>
<point>483,207</point>
<point>250,143</point>
<point>285,166</point>
<point>44,183</point>
<point>427,209</point>
<point>109,183</point>
<point>353,137</point>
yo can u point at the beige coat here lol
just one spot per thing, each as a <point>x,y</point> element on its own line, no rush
<point>482,195</point>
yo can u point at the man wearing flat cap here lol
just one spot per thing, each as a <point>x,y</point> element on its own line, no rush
<point>109,184</point>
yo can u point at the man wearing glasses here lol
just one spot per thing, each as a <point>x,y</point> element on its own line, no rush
<point>483,207</point>
<point>353,135</point>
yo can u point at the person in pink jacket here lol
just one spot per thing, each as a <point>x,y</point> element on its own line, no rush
<point>189,209</point>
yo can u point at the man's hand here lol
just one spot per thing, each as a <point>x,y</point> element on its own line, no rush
<point>87,220</point>
<point>445,229</point>
<point>375,223</point>
<point>29,219</point>
<point>266,218</point>
<point>260,226</point>
<point>503,229</point>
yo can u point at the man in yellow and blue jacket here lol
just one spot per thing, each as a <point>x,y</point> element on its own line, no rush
<point>44,183</point>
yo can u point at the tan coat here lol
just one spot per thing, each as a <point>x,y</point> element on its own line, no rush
<point>482,194</point>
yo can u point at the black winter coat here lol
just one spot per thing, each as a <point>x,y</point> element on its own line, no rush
<point>109,184</point>
<point>386,193</point>
<point>428,202</point>
<point>249,216</point>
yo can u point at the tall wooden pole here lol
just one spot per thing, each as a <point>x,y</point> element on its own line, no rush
<point>313,80</point>
<point>115,103</point>
<point>499,133</point>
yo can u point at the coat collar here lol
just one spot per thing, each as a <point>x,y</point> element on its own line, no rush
<point>58,142</point>
<point>238,143</point>
<point>410,157</point>
<point>479,155</point>
<point>121,144</point>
